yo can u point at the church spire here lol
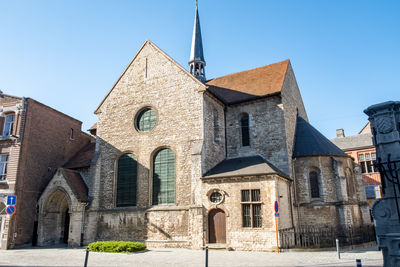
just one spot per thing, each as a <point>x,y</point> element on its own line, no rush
<point>196,61</point>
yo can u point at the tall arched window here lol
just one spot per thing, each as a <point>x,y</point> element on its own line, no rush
<point>314,184</point>
<point>126,180</point>
<point>244,125</point>
<point>164,177</point>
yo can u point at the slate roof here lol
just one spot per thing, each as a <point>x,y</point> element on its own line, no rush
<point>78,186</point>
<point>243,166</point>
<point>249,84</point>
<point>83,158</point>
<point>310,142</point>
<point>353,142</point>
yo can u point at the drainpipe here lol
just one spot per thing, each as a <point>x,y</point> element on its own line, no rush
<point>83,222</point>
<point>291,203</point>
<point>226,138</point>
<point>295,191</point>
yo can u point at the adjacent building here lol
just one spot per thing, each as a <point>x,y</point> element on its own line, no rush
<point>362,150</point>
<point>34,141</point>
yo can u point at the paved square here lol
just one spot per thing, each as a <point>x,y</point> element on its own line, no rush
<point>59,256</point>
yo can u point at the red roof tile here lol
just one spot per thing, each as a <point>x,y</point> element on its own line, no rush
<point>245,85</point>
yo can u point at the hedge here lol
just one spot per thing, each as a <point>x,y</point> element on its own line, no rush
<point>116,246</point>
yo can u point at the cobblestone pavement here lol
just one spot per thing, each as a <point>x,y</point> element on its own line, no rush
<point>59,256</point>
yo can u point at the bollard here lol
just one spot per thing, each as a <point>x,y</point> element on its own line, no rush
<point>337,248</point>
<point>87,256</point>
<point>206,256</point>
<point>358,262</point>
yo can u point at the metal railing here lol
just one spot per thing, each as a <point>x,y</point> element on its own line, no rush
<point>323,236</point>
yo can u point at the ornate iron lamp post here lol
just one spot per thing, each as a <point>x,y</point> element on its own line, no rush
<point>385,126</point>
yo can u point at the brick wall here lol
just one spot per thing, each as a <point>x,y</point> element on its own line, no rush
<point>46,145</point>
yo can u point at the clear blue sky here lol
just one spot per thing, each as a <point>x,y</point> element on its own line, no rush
<point>68,54</point>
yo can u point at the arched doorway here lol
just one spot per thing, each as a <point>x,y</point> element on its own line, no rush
<point>54,219</point>
<point>216,226</point>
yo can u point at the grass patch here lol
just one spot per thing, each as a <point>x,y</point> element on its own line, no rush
<point>116,246</point>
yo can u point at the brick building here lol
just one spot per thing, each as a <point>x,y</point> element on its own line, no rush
<point>35,140</point>
<point>362,150</point>
<point>182,161</point>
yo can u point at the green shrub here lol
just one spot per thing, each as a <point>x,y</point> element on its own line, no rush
<point>116,246</point>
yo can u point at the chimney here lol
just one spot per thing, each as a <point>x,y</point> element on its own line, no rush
<point>339,133</point>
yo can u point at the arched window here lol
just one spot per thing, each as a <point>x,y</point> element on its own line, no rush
<point>244,125</point>
<point>314,184</point>
<point>164,177</point>
<point>126,180</point>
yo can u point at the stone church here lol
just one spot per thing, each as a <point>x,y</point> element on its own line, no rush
<point>181,161</point>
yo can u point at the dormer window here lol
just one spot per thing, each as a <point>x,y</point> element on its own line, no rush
<point>8,124</point>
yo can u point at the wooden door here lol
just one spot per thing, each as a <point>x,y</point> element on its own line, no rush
<point>216,226</point>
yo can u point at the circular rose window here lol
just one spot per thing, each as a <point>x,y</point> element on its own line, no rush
<point>216,197</point>
<point>146,119</point>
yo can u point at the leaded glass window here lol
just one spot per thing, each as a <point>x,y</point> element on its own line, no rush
<point>126,180</point>
<point>146,120</point>
<point>164,177</point>
<point>314,183</point>
<point>216,197</point>
<point>244,124</point>
<point>251,208</point>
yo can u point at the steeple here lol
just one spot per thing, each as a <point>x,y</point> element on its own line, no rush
<point>196,61</point>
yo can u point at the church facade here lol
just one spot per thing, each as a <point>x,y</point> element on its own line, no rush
<point>181,161</point>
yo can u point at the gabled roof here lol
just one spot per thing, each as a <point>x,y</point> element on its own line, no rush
<point>246,85</point>
<point>310,142</point>
<point>78,186</point>
<point>243,166</point>
<point>148,42</point>
<point>83,158</point>
<point>365,129</point>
